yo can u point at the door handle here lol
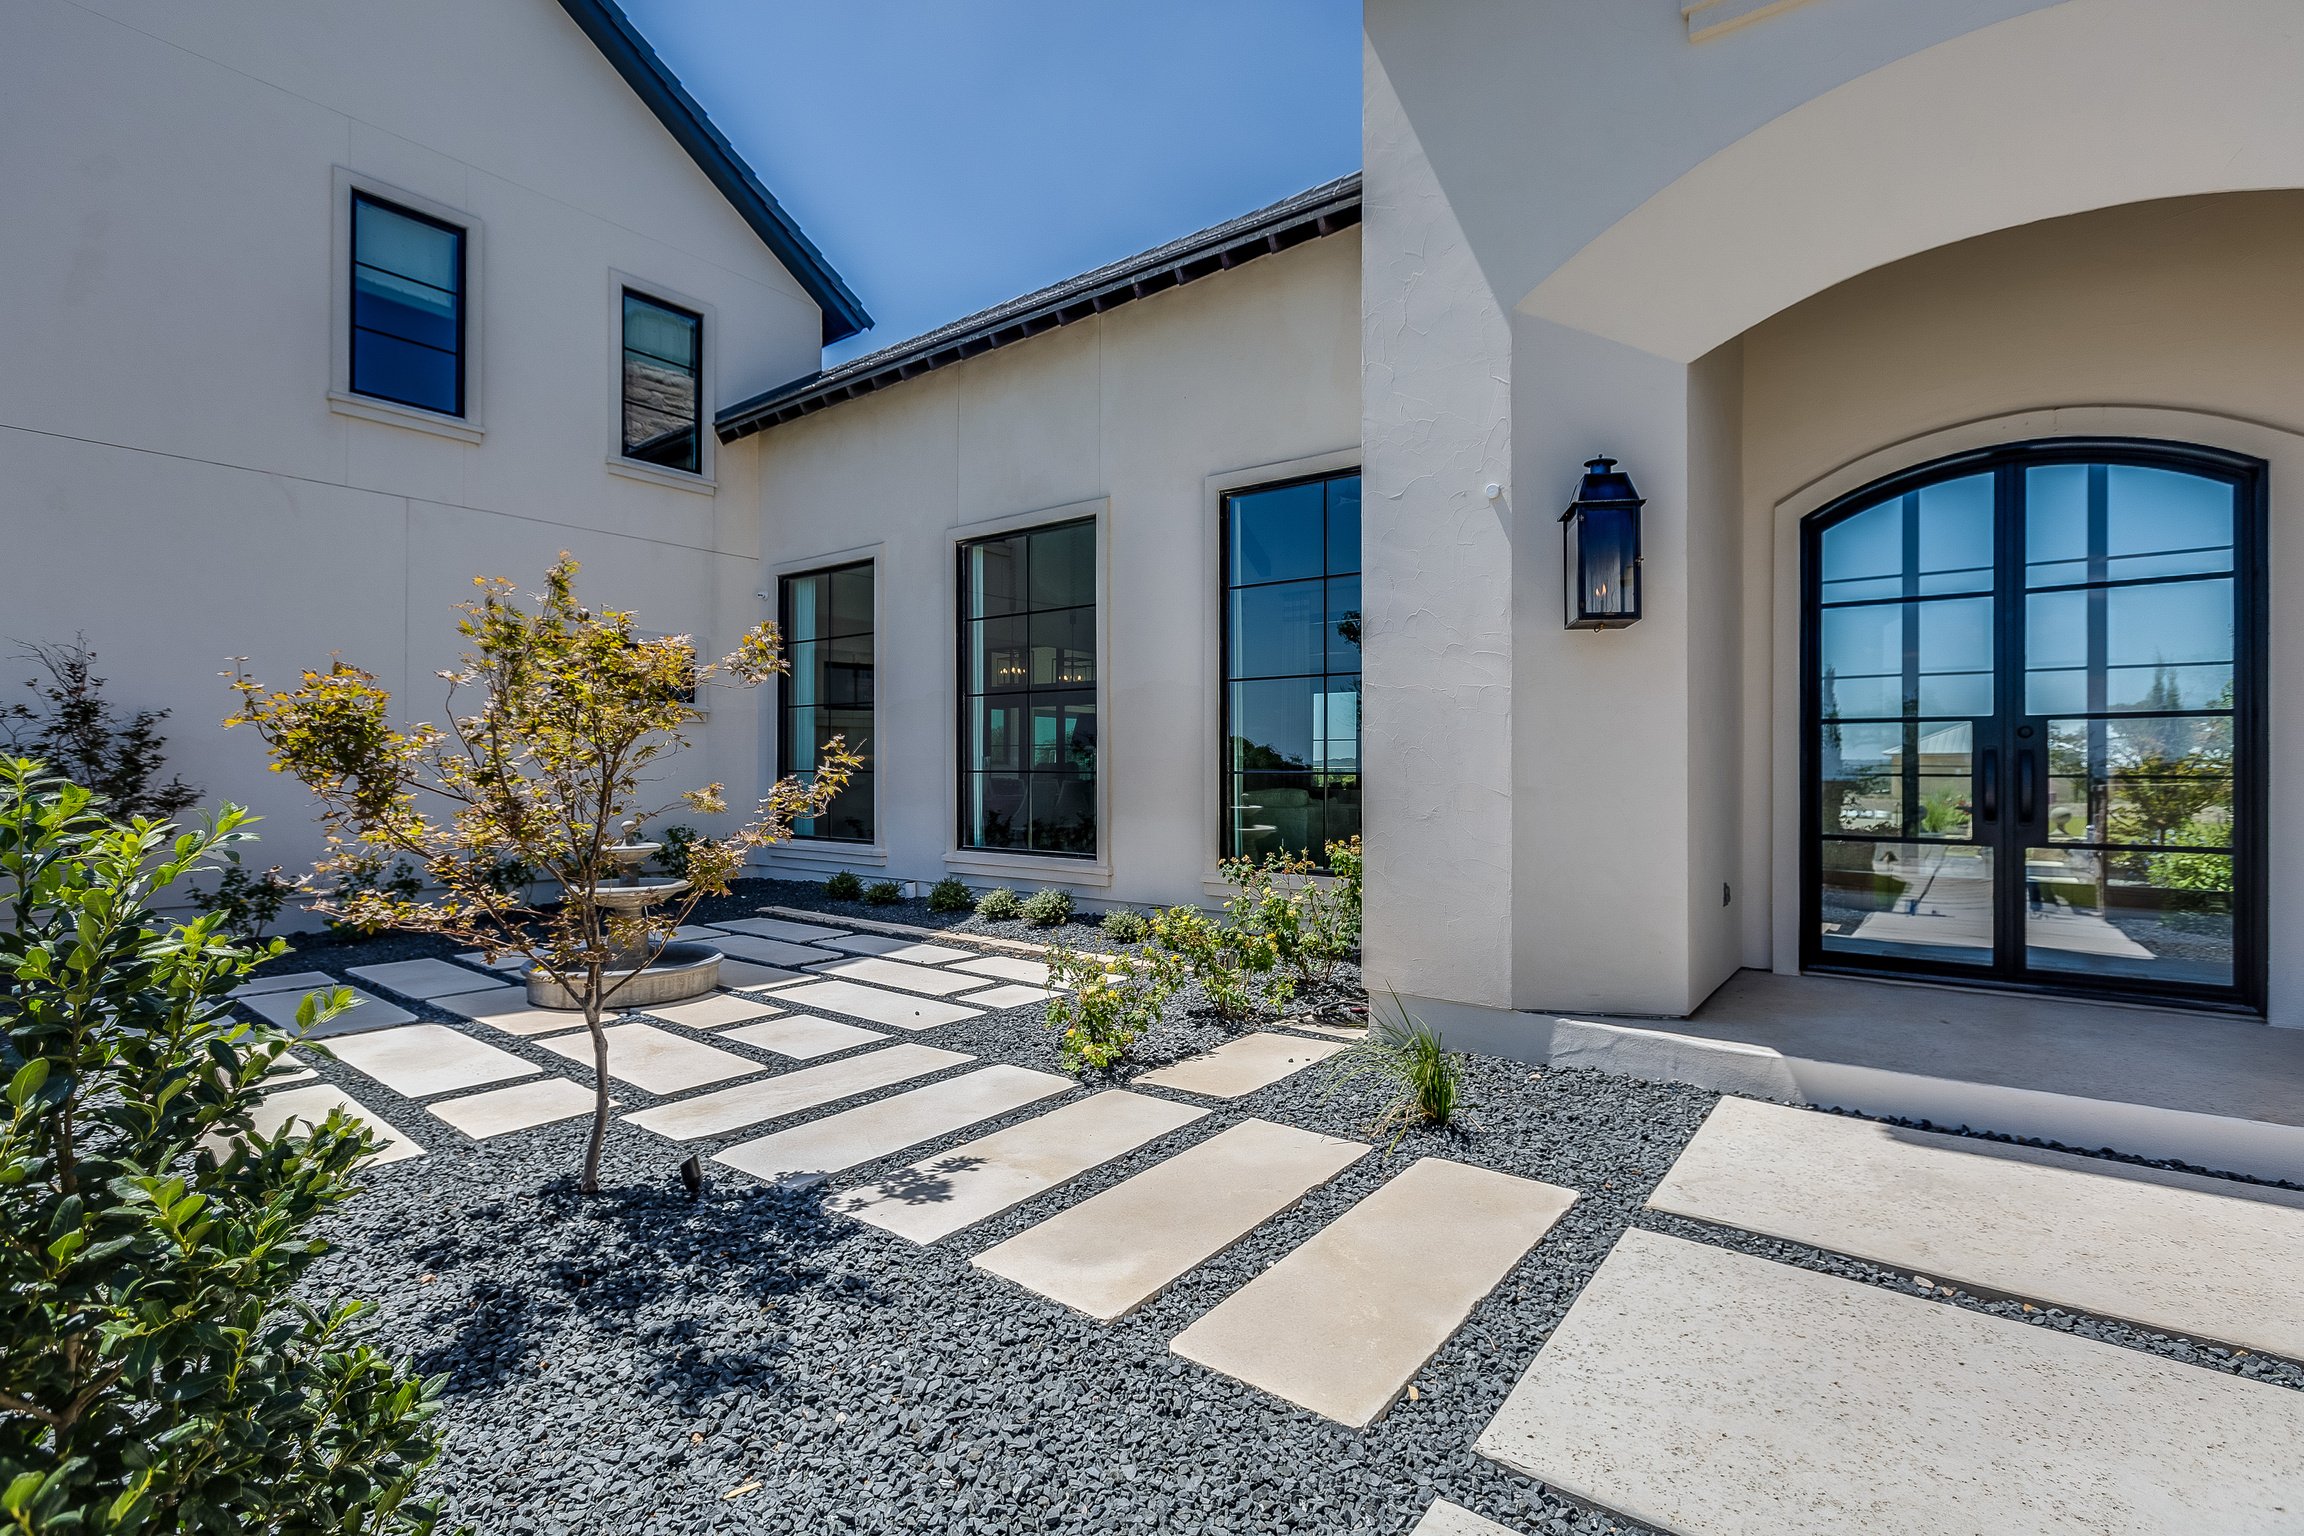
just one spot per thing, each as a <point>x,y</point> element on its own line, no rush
<point>2025,794</point>
<point>1988,776</point>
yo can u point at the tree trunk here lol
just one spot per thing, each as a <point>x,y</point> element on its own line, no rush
<point>592,1148</point>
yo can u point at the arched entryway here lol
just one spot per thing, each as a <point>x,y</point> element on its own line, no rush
<point>2032,722</point>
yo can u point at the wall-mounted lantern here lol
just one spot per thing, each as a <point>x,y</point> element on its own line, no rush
<point>1600,543</point>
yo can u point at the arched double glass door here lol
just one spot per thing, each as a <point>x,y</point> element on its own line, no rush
<point>2033,724</point>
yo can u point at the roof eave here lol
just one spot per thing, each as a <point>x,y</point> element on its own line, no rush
<point>612,32</point>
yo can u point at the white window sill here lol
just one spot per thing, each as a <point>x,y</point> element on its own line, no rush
<point>1028,866</point>
<point>806,853</point>
<point>392,415</point>
<point>678,479</point>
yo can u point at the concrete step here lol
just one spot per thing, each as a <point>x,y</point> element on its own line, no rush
<point>1341,1324</point>
<point>312,1104</point>
<point>730,1109</point>
<point>2112,1238</point>
<point>368,1011</point>
<point>1115,1251</point>
<point>712,1010</point>
<point>1707,1393</point>
<point>777,928</point>
<point>424,979</point>
<point>802,1036</point>
<point>887,1126</point>
<point>972,1183</point>
<point>520,1107</point>
<point>880,971</point>
<point>898,1010</point>
<point>1446,1519</point>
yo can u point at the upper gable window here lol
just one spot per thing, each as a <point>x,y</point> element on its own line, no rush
<point>663,401</point>
<point>408,307</point>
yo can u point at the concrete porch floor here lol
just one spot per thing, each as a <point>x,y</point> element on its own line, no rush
<point>2205,1089</point>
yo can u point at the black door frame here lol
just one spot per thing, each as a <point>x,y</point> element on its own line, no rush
<point>2249,727</point>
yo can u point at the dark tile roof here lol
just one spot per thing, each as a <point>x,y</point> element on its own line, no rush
<point>1323,210</point>
<point>614,35</point>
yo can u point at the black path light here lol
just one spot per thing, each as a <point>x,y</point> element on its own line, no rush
<point>1600,543</point>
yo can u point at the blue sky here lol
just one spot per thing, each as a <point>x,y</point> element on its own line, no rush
<point>949,154</point>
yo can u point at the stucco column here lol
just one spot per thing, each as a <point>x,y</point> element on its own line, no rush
<point>1437,590</point>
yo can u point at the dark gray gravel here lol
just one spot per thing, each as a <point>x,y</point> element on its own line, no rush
<point>625,1363</point>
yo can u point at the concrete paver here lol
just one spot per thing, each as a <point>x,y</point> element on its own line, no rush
<point>887,1126</point>
<point>1341,1324</point>
<point>423,979</point>
<point>898,1010</point>
<point>1708,1392</point>
<point>972,1183</point>
<point>2210,1258</point>
<point>654,1061</point>
<point>419,1060</point>
<point>1117,1250</point>
<point>729,1109</point>
<point>802,1036</point>
<point>520,1107</point>
<point>1240,1067</point>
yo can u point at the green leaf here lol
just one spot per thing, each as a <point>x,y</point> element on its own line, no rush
<point>30,1078</point>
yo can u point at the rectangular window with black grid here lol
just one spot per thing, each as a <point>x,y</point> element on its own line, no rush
<point>1028,691</point>
<point>827,623</point>
<point>1291,770</point>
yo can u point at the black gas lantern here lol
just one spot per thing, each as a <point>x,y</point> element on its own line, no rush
<point>1600,543</point>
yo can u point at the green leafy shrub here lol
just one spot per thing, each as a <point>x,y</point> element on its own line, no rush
<point>671,860</point>
<point>1238,970</point>
<point>248,904</point>
<point>1426,1078</point>
<point>883,893</point>
<point>1313,923</point>
<point>364,876</point>
<point>999,905</point>
<point>74,729</point>
<point>1125,927</point>
<point>1047,909</point>
<point>844,886</point>
<point>1100,1008</point>
<point>950,894</point>
<point>159,1374</point>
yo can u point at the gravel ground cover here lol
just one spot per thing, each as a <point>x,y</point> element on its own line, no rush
<point>750,1362</point>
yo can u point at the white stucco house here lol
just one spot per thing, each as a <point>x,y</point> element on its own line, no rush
<point>1951,351</point>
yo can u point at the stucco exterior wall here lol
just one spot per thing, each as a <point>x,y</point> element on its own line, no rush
<point>174,483</point>
<point>2177,319</point>
<point>1139,417</point>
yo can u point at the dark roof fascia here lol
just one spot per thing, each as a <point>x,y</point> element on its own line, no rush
<point>614,35</point>
<point>1310,215</point>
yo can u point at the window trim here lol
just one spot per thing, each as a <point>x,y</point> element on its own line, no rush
<point>465,427</point>
<point>870,560</point>
<point>704,479</point>
<point>1213,665</point>
<point>1048,868</point>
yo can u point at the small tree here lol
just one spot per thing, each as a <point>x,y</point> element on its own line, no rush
<point>569,708</point>
<point>74,729</point>
<point>156,1373</point>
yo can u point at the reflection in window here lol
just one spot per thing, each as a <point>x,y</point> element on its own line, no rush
<point>663,408</point>
<point>1028,691</point>
<point>1292,667</point>
<point>827,623</point>
<point>407,307</point>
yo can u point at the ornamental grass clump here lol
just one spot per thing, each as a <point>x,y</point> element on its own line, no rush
<point>556,718</point>
<point>883,893</point>
<point>158,1373</point>
<point>950,894</point>
<point>1409,1057</point>
<point>1100,1008</point>
<point>1047,909</point>
<point>999,905</point>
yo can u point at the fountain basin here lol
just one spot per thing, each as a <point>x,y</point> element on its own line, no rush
<point>682,971</point>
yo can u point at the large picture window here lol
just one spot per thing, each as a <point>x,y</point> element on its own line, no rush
<point>827,622</point>
<point>663,407</point>
<point>1028,691</point>
<point>1292,667</point>
<point>407,343</point>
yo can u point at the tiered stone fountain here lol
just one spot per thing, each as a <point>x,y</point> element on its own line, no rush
<point>682,970</point>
